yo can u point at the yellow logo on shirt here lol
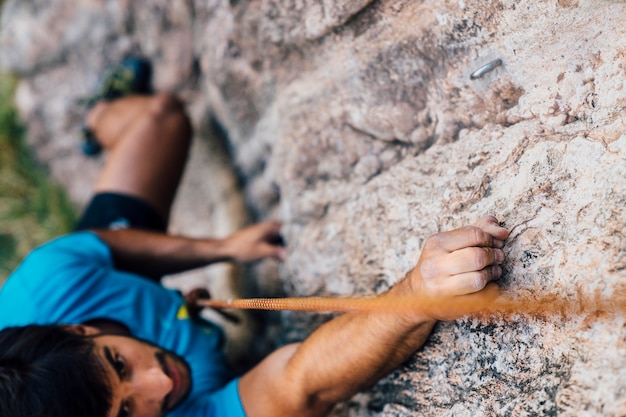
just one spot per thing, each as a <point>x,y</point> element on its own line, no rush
<point>182,314</point>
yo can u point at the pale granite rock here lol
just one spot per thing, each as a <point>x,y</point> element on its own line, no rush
<point>357,124</point>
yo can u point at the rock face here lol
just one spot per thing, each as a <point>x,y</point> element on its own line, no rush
<point>357,124</point>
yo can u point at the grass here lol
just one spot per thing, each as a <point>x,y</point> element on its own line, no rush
<point>32,208</point>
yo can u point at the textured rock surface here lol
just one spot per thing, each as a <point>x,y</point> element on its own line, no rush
<point>357,124</point>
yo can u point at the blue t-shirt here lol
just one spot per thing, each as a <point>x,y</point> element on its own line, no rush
<point>72,280</point>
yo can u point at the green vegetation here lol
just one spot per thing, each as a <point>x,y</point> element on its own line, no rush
<point>32,208</point>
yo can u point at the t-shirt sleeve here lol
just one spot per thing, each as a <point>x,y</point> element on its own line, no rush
<point>224,402</point>
<point>55,273</point>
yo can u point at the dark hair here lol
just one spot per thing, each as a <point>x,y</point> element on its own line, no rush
<point>48,371</point>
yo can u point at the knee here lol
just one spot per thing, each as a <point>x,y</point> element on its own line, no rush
<point>166,104</point>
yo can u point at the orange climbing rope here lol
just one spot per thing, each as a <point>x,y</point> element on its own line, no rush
<point>488,302</point>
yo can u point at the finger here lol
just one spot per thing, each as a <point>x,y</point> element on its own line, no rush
<point>470,282</point>
<point>191,300</point>
<point>271,233</point>
<point>491,225</point>
<point>275,239</point>
<point>276,252</point>
<point>271,226</point>
<point>461,261</point>
<point>456,239</point>
<point>197,293</point>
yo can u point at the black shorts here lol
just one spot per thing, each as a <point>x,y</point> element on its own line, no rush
<point>120,211</point>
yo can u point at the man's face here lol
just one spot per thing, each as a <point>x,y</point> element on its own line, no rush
<point>146,381</point>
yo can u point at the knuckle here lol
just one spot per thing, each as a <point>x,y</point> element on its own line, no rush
<point>432,241</point>
<point>480,279</point>
<point>480,258</point>
<point>476,235</point>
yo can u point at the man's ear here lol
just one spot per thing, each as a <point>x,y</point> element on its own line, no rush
<point>81,329</point>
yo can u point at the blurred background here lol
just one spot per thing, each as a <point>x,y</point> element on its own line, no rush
<point>33,209</point>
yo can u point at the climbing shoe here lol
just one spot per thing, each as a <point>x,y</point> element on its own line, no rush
<point>90,145</point>
<point>131,76</point>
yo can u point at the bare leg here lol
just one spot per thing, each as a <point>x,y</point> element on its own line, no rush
<point>147,139</point>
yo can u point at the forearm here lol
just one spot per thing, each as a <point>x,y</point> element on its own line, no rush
<point>353,351</point>
<point>341,358</point>
<point>154,254</point>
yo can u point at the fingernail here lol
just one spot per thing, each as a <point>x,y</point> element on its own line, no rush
<point>498,243</point>
<point>499,255</point>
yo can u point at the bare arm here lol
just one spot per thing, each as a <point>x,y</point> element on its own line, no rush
<point>154,254</point>
<point>353,351</point>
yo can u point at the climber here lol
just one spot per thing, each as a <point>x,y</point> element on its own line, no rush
<point>89,331</point>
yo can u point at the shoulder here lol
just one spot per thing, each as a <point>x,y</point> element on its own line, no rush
<point>62,262</point>
<point>74,246</point>
<point>224,402</point>
<point>51,278</point>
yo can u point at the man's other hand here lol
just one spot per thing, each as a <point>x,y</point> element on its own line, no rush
<point>262,240</point>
